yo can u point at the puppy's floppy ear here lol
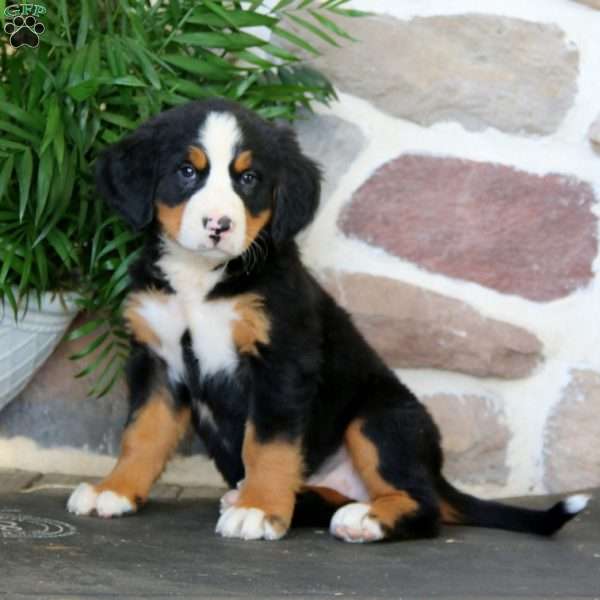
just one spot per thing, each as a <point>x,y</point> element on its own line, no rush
<point>126,177</point>
<point>298,189</point>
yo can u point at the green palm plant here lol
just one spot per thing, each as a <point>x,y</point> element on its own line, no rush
<point>103,67</point>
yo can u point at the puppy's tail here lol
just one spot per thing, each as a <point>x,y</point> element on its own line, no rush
<point>462,509</point>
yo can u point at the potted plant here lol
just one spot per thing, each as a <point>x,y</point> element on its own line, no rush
<point>100,69</point>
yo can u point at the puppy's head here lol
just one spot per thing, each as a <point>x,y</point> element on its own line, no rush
<point>213,176</point>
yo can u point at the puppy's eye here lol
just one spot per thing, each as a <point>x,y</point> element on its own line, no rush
<point>187,171</point>
<point>248,178</point>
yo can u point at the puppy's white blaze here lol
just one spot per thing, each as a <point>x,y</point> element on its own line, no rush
<point>351,523</point>
<point>83,499</point>
<point>220,135</point>
<point>575,504</point>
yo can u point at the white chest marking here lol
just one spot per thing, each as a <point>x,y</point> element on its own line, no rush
<point>210,325</point>
<point>209,322</point>
<point>166,319</point>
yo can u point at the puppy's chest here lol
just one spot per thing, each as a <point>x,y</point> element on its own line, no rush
<point>218,331</point>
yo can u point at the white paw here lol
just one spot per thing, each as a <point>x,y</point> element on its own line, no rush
<point>111,504</point>
<point>85,499</point>
<point>246,524</point>
<point>351,523</point>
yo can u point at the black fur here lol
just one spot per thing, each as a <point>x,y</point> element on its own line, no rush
<point>297,192</point>
<point>126,177</point>
<point>317,374</point>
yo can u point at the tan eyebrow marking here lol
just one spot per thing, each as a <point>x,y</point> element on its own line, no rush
<point>197,157</point>
<point>243,161</point>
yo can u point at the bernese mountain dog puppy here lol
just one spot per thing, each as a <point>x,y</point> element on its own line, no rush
<point>230,331</point>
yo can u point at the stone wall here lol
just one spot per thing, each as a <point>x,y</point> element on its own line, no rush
<point>458,225</point>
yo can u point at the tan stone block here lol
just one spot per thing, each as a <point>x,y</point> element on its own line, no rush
<point>412,327</point>
<point>479,70</point>
<point>572,440</point>
<point>474,438</point>
<point>591,3</point>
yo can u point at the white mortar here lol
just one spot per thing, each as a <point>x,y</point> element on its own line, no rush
<point>569,328</point>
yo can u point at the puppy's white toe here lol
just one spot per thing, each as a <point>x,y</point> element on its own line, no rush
<point>246,524</point>
<point>82,501</point>
<point>110,504</point>
<point>353,524</point>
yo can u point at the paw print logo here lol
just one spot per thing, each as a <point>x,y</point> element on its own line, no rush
<point>24,31</point>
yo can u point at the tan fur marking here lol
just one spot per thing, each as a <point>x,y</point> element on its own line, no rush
<point>274,473</point>
<point>170,217</point>
<point>148,443</point>
<point>135,324</point>
<point>450,516</point>
<point>388,504</point>
<point>243,161</point>
<point>254,224</point>
<point>252,326</point>
<point>366,460</point>
<point>197,158</point>
<point>389,509</point>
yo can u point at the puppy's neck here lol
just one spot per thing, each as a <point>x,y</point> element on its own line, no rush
<point>189,273</point>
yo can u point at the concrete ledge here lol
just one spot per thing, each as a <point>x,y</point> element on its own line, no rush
<point>170,550</point>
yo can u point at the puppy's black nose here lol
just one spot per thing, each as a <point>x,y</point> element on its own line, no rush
<point>224,224</point>
<point>217,226</point>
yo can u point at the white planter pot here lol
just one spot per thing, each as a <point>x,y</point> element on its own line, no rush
<point>27,342</point>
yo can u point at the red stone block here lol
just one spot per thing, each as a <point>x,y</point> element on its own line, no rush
<point>505,229</point>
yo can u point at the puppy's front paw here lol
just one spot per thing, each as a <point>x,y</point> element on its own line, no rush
<point>250,524</point>
<point>86,499</point>
<point>82,501</point>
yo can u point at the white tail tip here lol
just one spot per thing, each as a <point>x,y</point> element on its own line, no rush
<point>575,504</point>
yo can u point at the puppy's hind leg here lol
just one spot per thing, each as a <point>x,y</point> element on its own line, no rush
<point>403,503</point>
